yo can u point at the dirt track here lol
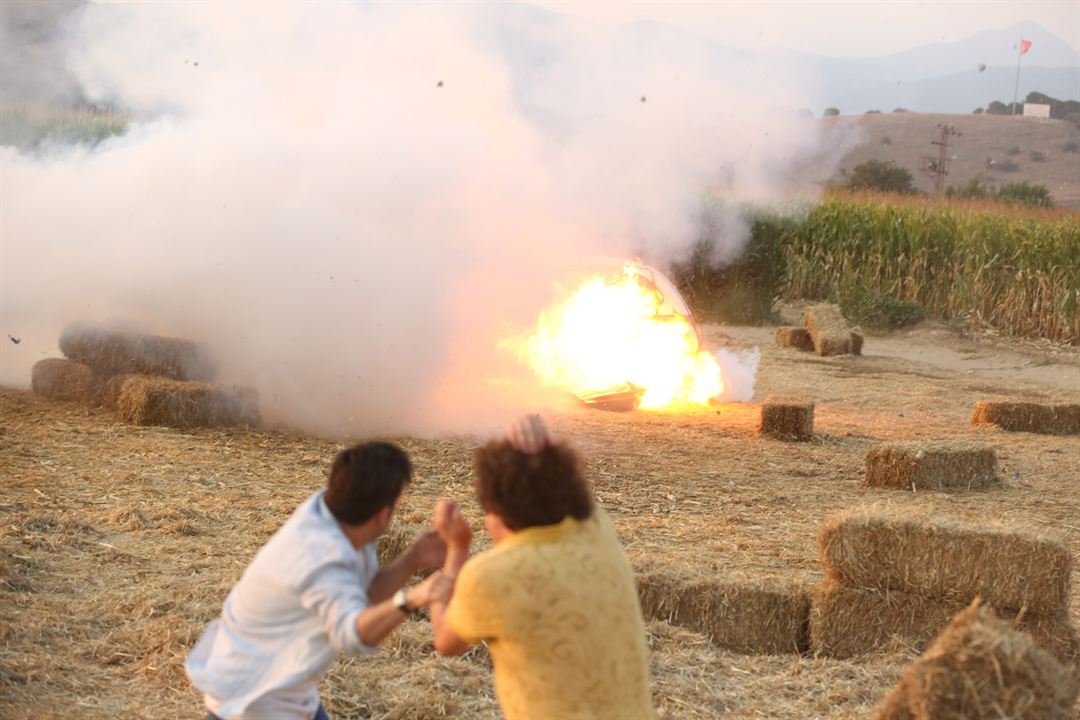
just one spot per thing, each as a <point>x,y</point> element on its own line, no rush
<point>117,544</point>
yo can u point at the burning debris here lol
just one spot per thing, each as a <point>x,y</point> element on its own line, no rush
<point>624,340</point>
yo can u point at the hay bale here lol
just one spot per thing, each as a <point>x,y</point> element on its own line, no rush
<point>1061,419</point>
<point>848,621</point>
<point>856,343</point>
<point>931,466</point>
<point>892,549</point>
<point>60,379</point>
<point>117,352</point>
<point>149,400</point>
<point>794,337</point>
<point>980,668</point>
<point>787,418</point>
<point>828,329</point>
<point>742,613</point>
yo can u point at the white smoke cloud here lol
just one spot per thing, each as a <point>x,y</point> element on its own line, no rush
<point>352,204</point>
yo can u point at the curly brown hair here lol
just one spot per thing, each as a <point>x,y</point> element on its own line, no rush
<point>528,490</point>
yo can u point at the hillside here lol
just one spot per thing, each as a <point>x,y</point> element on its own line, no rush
<point>904,138</point>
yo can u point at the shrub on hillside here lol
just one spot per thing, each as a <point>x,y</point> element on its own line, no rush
<point>1026,193</point>
<point>831,112</point>
<point>886,141</point>
<point>973,188</point>
<point>900,110</point>
<point>1070,147</point>
<point>1037,156</point>
<point>977,111</point>
<point>1007,166</point>
<point>1014,150</point>
<point>881,175</point>
<point>873,112</point>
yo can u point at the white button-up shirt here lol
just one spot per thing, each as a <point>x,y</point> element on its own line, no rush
<point>292,613</point>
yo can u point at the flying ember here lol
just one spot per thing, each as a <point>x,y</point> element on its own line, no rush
<point>628,331</point>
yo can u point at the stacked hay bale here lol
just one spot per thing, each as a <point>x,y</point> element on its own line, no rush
<point>740,612</point>
<point>980,668</point>
<point>824,331</point>
<point>1043,418</point>
<point>891,577</point>
<point>787,418</point>
<point>60,379</point>
<point>943,465</point>
<point>148,379</point>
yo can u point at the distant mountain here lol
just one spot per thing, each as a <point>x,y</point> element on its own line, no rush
<point>547,52</point>
<point>945,77</point>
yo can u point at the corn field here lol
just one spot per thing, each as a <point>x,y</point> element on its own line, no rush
<point>1014,272</point>
<point>1012,269</point>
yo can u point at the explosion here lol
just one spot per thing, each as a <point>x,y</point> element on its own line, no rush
<point>624,332</point>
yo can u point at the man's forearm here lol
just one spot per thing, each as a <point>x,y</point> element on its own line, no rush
<point>456,555</point>
<point>393,577</point>
<point>376,622</point>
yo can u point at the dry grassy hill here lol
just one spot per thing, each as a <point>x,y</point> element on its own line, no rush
<point>905,138</point>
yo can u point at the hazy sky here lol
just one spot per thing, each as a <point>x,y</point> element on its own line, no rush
<point>838,29</point>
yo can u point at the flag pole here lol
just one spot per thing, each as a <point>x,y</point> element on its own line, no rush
<point>1016,87</point>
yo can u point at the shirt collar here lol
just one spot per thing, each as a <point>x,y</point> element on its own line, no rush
<point>542,533</point>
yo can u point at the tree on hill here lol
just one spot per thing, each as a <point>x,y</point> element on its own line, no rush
<point>831,112</point>
<point>1059,109</point>
<point>882,175</point>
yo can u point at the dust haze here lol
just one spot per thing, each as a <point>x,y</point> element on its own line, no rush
<point>351,205</point>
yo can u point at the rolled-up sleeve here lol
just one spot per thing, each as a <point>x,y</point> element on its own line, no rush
<point>334,592</point>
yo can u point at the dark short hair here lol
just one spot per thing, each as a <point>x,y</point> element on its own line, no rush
<point>364,479</point>
<point>527,490</point>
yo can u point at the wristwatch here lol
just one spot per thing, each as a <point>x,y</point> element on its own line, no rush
<point>401,602</point>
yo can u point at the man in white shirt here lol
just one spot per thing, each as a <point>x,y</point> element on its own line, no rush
<point>313,592</point>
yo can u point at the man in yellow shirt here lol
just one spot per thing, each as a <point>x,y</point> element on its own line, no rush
<point>554,599</point>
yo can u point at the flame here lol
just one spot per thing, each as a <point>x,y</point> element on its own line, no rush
<point>611,331</point>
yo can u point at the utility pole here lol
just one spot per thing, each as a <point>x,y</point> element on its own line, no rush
<point>938,167</point>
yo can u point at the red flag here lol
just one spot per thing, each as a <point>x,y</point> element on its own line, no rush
<point>1025,45</point>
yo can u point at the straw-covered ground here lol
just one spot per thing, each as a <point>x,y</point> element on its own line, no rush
<point>119,543</point>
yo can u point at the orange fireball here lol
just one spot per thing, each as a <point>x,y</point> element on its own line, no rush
<point>627,329</point>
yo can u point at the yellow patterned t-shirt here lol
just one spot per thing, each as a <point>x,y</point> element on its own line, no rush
<point>559,610</point>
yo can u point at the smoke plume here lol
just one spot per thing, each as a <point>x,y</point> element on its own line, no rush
<point>352,204</point>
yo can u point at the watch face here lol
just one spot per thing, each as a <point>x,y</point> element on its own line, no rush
<point>400,602</point>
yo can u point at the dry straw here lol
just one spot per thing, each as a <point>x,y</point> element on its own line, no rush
<point>856,343</point>
<point>114,352</point>
<point>787,418</point>
<point>931,466</point>
<point>893,549</point>
<point>147,400</point>
<point>980,668</point>
<point>848,621</point>
<point>794,337</point>
<point>742,613</point>
<point>60,379</point>
<point>828,329</point>
<point>1061,419</point>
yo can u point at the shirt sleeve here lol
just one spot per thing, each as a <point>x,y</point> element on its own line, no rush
<point>336,594</point>
<point>472,614</point>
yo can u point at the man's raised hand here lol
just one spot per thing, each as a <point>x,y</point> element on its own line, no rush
<point>451,525</point>
<point>528,435</point>
<point>429,551</point>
